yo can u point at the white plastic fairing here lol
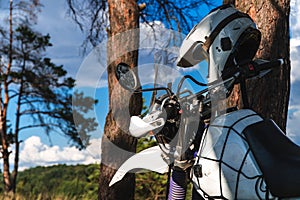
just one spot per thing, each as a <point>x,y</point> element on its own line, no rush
<point>139,128</point>
<point>228,166</point>
<point>149,159</point>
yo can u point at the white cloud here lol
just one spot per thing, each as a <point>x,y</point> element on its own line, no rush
<point>295,63</point>
<point>35,153</point>
<point>294,17</point>
<point>294,107</point>
<point>295,40</point>
<point>293,124</point>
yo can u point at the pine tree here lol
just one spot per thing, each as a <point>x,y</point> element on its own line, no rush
<point>32,86</point>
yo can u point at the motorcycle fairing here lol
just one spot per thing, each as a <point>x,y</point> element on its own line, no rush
<point>277,156</point>
<point>229,170</point>
<point>149,159</point>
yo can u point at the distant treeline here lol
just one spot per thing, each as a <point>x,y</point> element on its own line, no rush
<point>58,182</point>
<point>67,182</point>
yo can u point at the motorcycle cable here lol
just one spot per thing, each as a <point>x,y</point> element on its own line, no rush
<point>192,79</point>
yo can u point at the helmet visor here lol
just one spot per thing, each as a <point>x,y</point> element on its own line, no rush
<point>191,53</point>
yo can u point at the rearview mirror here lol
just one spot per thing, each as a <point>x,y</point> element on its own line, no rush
<point>126,77</point>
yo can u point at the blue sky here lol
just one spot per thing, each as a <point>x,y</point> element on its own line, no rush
<point>66,39</point>
<point>293,126</point>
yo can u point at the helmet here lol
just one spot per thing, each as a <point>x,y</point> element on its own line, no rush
<point>225,37</point>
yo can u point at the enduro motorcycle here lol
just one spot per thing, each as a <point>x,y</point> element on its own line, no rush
<point>235,154</point>
<point>228,153</point>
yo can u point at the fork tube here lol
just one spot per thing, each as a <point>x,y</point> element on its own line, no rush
<point>178,185</point>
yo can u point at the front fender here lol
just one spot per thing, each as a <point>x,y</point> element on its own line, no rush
<point>149,159</point>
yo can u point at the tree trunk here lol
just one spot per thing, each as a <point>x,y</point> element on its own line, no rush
<point>4,108</point>
<point>269,96</point>
<point>117,145</point>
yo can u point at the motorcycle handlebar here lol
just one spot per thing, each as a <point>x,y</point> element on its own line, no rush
<point>248,70</point>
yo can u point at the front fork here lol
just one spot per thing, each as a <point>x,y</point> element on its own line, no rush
<point>187,145</point>
<point>178,186</point>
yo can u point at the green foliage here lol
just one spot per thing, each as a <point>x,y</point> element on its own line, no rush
<point>59,182</point>
<point>149,185</point>
<point>145,142</point>
<point>152,185</point>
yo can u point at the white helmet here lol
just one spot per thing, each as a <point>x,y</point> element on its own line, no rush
<point>225,37</point>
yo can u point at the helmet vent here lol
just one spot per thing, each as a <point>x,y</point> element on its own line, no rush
<point>226,44</point>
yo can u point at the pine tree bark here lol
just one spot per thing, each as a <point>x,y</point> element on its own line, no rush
<point>269,96</point>
<point>117,145</point>
<point>4,109</point>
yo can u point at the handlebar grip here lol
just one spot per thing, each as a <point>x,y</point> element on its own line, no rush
<point>255,67</point>
<point>269,64</point>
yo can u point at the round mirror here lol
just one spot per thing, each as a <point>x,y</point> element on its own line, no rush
<point>126,77</point>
